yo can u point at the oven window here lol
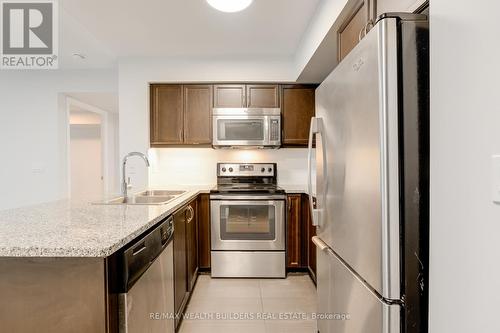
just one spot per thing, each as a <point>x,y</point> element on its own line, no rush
<point>247,222</point>
<point>247,130</point>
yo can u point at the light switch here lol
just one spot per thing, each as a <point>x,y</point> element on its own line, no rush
<point>495,178</point>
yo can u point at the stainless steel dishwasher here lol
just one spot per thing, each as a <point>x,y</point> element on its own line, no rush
<point>147,303</point>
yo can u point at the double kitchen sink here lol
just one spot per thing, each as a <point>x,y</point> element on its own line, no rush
<point>149,197</point>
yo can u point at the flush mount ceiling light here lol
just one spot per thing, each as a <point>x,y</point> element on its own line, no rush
<point>229,6</point>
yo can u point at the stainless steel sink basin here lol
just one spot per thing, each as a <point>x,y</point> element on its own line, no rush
<point>155,193</point>
<point>139,200</point>
<point>150,197</point>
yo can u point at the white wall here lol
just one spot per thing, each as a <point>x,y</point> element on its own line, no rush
<point>465,132</point>
<point>324,18</point>
<point>33,138</point>
<point>197,166</point>
<point>86,167</point>
<point>136,74</point>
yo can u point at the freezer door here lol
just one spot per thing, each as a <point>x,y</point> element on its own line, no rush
<point>358,105</point>
<point>346,305</point>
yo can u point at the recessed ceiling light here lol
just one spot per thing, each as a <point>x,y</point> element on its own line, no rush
<point>230,6</point>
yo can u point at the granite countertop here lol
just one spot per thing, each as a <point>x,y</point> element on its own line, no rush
<point>81,229</point>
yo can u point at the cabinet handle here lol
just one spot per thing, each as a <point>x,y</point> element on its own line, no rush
<point>367,27</point>
<point>191,216</point>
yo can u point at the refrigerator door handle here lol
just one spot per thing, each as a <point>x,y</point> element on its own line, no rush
<point>316,128</point>
<point>319,243</point>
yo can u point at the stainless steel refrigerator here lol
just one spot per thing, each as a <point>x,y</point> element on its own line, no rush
<point>371,135</point>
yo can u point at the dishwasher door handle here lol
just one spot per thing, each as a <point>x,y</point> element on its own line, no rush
<point>138,249</point>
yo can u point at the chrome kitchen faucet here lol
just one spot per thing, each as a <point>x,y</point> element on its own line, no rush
<point>125,184</point>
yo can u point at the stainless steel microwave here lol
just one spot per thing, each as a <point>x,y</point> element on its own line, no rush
<point>246,128</point>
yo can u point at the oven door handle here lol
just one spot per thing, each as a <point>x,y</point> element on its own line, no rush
<point>257,198</point>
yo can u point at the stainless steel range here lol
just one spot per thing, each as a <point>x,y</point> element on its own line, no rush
<point>247,221</point>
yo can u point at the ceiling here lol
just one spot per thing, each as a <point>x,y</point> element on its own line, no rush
<point>107,30</point>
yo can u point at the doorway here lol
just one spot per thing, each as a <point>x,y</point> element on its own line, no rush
<point>92,169</point>
<point>86,147</point>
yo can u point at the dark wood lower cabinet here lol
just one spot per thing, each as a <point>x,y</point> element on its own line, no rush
<point>180,262</point>
<point>192,244</point>
<point>294,221</point>
<point>185,255</point>
<point>204,232</point>
<point>310,232</point>
<point>300,250</point>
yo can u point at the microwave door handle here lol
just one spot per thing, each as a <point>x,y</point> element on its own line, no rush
<point>316,128</point>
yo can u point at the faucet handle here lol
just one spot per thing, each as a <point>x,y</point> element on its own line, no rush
<point>129,185</point>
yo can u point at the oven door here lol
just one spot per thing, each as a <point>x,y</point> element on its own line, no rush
<point>248,225</point>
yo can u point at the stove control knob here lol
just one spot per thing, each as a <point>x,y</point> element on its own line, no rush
<point>230,169</point>
<point>223,169</point>
<point>270,169</point>
<point>263,169</point>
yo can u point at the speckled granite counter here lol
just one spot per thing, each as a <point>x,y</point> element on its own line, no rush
<point>75,229</point>
<point>81,229</point>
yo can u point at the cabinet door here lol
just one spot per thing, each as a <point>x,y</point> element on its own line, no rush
<point>350,30</point>
<point>166,121</point>
<point>297,110</point>
<point>180,262</point>
<point>192,245</point>
<point>263,96</point>
<point>198,114</point>
<point>294,244</point>
<point>311,232</point>
<point>229,96</point>
<point>204,246</point>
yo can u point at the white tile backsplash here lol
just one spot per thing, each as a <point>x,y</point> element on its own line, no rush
<point>197,166</point>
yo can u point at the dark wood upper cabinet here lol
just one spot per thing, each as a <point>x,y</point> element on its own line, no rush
<point>229,96</point>
<point>198,114</point>
<point>297,107</point>
<point>362,17</point>
<point>204,246</point>
<point>246,95</point>
<point>166,121</point>
<point>263,96</point>
<point>351,29</point>
<point>181,114</point>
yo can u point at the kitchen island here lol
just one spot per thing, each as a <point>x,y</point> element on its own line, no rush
<point>58,262</point>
